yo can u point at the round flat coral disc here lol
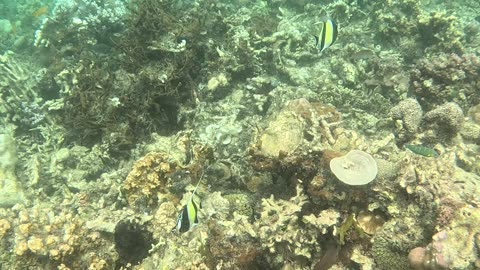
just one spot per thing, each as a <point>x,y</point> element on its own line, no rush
<point>356,168</point>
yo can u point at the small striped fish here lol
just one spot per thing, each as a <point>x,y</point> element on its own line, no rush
<point>327,33</point>
<point>188,216</point>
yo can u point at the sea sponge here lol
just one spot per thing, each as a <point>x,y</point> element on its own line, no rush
<point>355,168</point>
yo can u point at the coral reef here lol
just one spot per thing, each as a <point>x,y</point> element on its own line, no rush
<point>452,248</point>
<point>442,78</point>
<point>111,113</point>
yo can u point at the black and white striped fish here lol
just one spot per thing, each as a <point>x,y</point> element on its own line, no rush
<point>327,33</point>
<point>188,216</point>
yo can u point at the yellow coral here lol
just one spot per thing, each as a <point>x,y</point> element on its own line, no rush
<point>35,245</point>
<point>4,227</point>
<point>21,248</point>
<point>147,177</point>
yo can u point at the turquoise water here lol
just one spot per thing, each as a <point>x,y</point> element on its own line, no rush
<point>113,112</point>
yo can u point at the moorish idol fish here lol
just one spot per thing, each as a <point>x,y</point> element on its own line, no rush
<point>188,216</point>
<point>327,33</point>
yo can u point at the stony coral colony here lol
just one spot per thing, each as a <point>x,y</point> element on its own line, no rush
<point>125,107</point>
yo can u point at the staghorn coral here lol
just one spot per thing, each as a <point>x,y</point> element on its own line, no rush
<point>81,23</point>
<point>147,177</point>
<point>20,100</point>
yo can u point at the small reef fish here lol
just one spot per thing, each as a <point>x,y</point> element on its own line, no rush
<point>327,33</point>
<point>40,11</point>
<point>422,150</point>
<point>188,216</point>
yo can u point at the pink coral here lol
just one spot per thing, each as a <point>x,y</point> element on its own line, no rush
<point>431,257</point>
<point>416,258</point>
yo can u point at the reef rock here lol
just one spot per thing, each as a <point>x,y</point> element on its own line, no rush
<point>285,133</point>
<point>10,193</point>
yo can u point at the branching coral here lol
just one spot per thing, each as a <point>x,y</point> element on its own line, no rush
<point>20,102</point>
<point>278,228</point>
<point>81,22</point>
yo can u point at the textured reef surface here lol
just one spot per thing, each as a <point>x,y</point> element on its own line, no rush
<point>116,116</point>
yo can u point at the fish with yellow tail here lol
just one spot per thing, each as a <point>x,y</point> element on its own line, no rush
<point>327,32</point>
<point>188,216</point>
